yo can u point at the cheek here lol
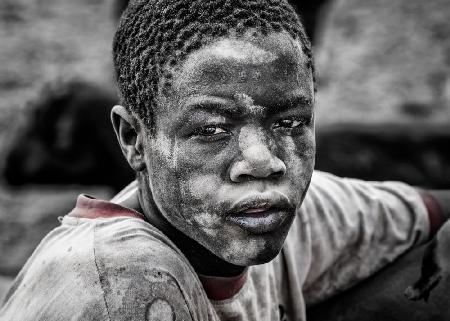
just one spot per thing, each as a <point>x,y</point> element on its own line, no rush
<point>204,157</point>
<point>162,167</point>
<point>199,199</point>
<point>300,149</point>
<point>203,167</point>
<point>299,154</point>
<point>188,181</point>
<point>201,187</point>
<point>164,184</point>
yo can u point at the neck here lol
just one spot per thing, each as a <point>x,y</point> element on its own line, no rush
<point>203,260</point>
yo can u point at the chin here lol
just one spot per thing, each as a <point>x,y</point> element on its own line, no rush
<point>260,258</point>
<point>263,255</point>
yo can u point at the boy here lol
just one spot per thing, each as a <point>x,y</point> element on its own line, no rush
<point>217,122</point>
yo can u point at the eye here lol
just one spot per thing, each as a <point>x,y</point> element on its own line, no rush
<point>210,132</point>
<point>290,123</point>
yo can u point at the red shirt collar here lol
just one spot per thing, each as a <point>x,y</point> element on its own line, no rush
<point>90,207</point>
<point>222,288</point>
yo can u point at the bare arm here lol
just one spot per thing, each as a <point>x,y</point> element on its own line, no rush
<point>357,228</point>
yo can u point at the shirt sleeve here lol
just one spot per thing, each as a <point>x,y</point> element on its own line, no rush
<point>356,228</point>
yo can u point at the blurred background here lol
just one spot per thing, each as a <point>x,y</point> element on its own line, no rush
<point>383,103</point>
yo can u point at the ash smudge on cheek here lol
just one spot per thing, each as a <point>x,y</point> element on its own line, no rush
<point>174,160</point>
<point>163,146</point>
<point>299,151</point>
<point>202,186</point>
<point>209,223</point>
<point>167,150</point>
<point>200,195</point>
<point>299,160</point>
<point>166,177</point>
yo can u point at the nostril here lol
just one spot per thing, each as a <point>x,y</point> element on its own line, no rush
<point>245,177</point>
<point>250,177</point>
<point>248,169</point>
<point>277,174</point>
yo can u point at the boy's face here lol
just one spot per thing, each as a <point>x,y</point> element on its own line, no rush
<point>233,150</point>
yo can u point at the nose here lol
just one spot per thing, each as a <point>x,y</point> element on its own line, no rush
<point>257,162</point>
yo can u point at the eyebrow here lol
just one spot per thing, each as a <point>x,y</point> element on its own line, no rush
<point>293,102</point>
<point>229,107</point>
<point>215,104</point>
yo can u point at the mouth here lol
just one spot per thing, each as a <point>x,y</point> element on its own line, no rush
<point>261,213</point>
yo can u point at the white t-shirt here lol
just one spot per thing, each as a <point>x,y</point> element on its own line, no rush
<point>120,267</point>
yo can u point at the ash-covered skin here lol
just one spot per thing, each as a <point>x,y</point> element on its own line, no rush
<point>237,124</point>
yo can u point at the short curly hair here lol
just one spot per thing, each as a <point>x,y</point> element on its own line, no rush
<point>154,36</point>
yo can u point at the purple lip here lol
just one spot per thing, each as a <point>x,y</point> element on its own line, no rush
<point>261,213</point>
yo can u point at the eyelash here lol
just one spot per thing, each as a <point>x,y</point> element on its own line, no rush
<point>210,136</point>
<point>200,131</point>
<point>301,121</point>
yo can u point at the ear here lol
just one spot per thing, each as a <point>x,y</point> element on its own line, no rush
<point>129,135</point>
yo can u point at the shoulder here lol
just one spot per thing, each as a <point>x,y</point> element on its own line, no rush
<point>114,269</point>
<point>131,242</point>
<point>58,281</point>
<point>143,276</point>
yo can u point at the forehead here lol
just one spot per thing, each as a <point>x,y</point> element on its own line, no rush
<point>266,69</point>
